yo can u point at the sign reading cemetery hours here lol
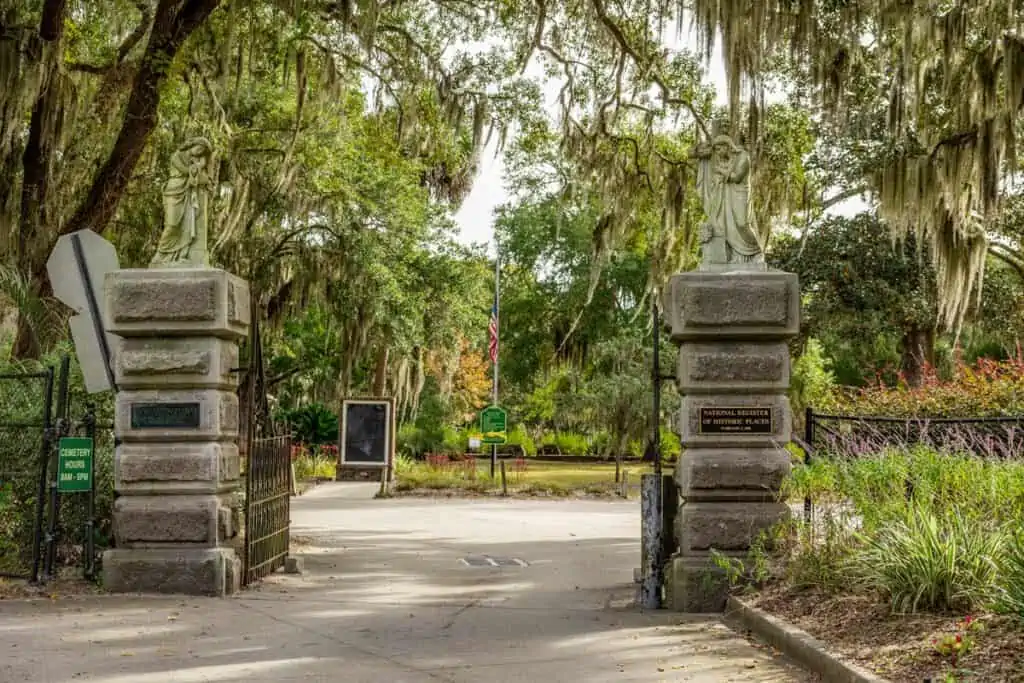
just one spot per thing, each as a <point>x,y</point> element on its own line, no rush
<point>367,432</point>
<point>74,465</point>
<point>165,415</point>
<point>729,420</point>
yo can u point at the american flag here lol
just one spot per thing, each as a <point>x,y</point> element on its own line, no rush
<point>492,328</point>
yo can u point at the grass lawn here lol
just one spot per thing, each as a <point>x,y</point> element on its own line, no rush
<point>524,477</point>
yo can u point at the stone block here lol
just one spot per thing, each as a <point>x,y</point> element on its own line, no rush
<point>694,435</point>
<point>293,565</point>
<point>151,468</point>
<point>150,521</point>
<point>721,306</point>
<point>726,367</point>
<point>187,571</point>
<point>695,585</point>
<point>734,526</point>
<point>731,473</point>
<point>177,302</point>
<point>176,362</point>
<point>137,410</point>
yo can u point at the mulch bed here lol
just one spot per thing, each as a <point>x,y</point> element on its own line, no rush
<point>863,631</point>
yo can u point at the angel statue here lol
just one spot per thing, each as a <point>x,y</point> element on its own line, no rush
<point>723,179</point>
<point>186,208</point>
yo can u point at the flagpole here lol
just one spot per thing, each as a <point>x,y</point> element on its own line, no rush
<point>497,355</point>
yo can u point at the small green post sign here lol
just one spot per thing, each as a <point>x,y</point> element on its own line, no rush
<point>493,425</point>
<point>74,465</point>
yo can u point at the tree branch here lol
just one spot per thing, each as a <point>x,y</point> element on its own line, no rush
<point>171,27</point>
<point>126,46</point>
<point>843,196</point>
<point>666,92</point>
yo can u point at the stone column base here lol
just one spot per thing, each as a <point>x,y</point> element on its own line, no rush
<point>695,585</point>
<point>189,571</point>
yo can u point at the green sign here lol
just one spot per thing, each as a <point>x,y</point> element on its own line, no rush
<point>493,424</point>
<point>74,465</point>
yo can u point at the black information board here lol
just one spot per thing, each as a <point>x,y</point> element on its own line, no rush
<point>729,420</point>
<point>367,427</point>
<point>165,415</point>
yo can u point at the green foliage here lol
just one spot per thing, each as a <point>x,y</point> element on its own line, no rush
<point>811,382</point>
<point>1011,596</point>
<point>931,560</point>
<point>921,529</point>
<point>21,419</point>
<point>316,464</point>
<point>671,448</point>
<point>877,486</point>
<point>518,436</point>
<point>861,293</point>
<point>987,388</point>
<point>413,441</point>
<point>568,443</point>
<point>312,424</point>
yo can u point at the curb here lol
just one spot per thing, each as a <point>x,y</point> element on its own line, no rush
<point>798,645</point>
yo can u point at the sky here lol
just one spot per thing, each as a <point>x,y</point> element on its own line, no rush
<point>475,218</point>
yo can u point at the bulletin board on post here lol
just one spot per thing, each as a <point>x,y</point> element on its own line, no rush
<point>367,434</point>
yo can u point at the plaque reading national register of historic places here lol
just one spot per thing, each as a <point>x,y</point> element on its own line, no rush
<point>736,421</point>
<point>165,416</point>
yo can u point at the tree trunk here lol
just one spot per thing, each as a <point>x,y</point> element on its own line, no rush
<point>173,23</point>
<point>380,374</point>
<point>918,354</point>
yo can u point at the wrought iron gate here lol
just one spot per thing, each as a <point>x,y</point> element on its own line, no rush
<point>268,490</point>
<point>268,470</point>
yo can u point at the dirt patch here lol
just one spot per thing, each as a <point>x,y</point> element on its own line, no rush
<point>900,648</point>
<point>62,587</point>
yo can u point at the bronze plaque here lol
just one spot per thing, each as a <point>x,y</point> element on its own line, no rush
<point>732,420</point>
<point>165,415</point>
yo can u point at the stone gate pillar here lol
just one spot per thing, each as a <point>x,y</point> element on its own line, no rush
<point>177,466</point>
<point>735,420</point>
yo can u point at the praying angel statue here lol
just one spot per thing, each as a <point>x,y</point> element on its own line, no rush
<point>723,179</point>
<point>186,208</point>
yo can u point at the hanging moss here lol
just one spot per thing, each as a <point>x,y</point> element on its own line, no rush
<point>966,54</point>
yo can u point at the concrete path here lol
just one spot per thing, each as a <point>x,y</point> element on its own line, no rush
<point>401,591</point>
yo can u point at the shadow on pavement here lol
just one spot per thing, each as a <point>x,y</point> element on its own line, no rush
<point>386,597</point>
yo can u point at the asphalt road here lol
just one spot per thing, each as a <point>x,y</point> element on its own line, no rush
<point>401,590</point>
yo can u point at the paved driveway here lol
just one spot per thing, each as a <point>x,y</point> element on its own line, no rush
<point>402,590</point>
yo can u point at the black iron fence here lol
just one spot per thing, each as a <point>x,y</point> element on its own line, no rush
<point>27,423</point>
<point>856,436</point>
<point>45,524</point>
<point>268,488</point>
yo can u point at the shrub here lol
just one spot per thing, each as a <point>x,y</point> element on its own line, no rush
<point>314,423</point>
<point>414,441</point>
<point>986,389</point>
<point>812,381</point>
<point>930,562</point>
<point>878,486</point>
<point>568,443</point>
<point>517,436</point>
<point>671,448</point>
<point>453,441</point>
<point>1011,584</point>
<point>599,444</point>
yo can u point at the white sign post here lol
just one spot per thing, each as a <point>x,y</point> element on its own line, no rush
<point>77,267</point>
